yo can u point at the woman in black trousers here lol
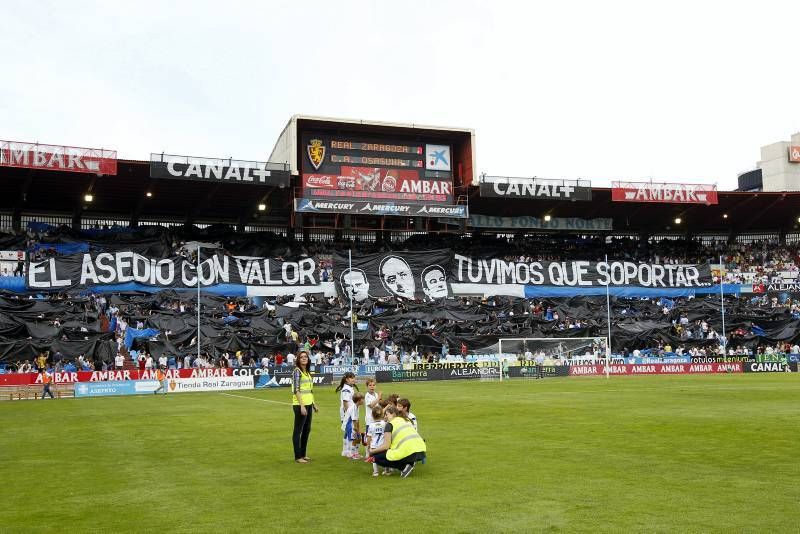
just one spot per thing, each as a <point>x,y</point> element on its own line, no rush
<point>303,406</point>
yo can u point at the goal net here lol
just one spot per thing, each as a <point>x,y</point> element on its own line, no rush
<point>525,353</point>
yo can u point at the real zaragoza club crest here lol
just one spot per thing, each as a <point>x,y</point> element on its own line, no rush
<point>316,153</point>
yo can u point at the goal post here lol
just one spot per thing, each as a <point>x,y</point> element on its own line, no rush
<point>552,351</point>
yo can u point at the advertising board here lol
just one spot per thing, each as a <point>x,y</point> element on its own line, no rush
<point>360,370</point>
<point>425,375</point>
<point>219,383</point>
<point>656,369</point>
<point>285,379</point>
<point>115,387</point>
<point>669,193</point>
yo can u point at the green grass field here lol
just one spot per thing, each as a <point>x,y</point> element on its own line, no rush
<point>655,454</point>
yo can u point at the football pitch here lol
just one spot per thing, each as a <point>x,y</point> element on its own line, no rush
<point>646,453</point>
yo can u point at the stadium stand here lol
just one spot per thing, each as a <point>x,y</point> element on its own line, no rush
<point>86,330</point>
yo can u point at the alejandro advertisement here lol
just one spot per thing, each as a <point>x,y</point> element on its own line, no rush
<point>408,275</point>
<point>424,375</point>
<point>106,268</point>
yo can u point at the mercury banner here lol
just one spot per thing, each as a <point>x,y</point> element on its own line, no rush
<point>409,275</point>
<point>93,269</point>
<point>385,207</point>
<point>468,270</point>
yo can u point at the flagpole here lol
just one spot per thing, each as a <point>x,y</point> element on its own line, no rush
<point>198,299</point>
<point>608,318</point>
<point>723,339</point>
<point>352,331</point>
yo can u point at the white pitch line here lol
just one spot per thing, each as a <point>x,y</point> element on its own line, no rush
<point>255,399</point>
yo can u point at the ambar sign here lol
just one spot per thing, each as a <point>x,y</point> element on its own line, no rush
<point>58,158</point>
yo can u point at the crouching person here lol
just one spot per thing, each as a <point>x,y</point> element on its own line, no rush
<point>402,446</point>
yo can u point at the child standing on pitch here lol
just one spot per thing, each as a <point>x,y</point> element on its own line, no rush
<point>375,437</point>
<point>404,410</point>
<point>345,391</point>
<point>352,428</point>
<point>371,400</point>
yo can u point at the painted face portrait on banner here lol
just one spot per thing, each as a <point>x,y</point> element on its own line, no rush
<point>434,282</point>
<point>355,284</point>
<point>396,276</point>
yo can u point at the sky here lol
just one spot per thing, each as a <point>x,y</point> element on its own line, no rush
<point>670,91</point>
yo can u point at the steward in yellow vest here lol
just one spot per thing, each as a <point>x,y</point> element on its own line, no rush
<point>302,405</point>
<point>402,446</point>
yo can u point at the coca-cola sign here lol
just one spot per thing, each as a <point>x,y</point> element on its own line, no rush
<point>668,193</point>
<point>794,154</point>
<point>58,158</point>
<point>314,181</point>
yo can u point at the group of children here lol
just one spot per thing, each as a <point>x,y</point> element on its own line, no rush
<point>376,406</point>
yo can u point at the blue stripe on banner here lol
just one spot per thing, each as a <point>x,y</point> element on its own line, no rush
<point>628,291</point>
<point>13,283</point>
<point>227,290</point>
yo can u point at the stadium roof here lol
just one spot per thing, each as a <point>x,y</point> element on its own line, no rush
<point>124,197</point>
<point>745,212</point>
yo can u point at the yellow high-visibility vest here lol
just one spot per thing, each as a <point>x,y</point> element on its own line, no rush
<point>306,390</point>
<point>405,440</point>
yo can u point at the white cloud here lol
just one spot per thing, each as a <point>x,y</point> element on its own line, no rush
<point>682,91</point>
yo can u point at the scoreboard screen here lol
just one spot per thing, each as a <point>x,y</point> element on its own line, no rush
<point>374,147</point>
<point>345,167</point>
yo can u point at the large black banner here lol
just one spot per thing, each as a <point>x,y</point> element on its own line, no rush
<point>533,189</point>
<point>218,170</point>
<point>408,275</point>
<point>106,268</point>
<point>468,270</point>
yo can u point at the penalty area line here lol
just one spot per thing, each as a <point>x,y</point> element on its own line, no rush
<point>255,399</point>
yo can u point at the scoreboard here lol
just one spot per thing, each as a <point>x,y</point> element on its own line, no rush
<point>347,167</point>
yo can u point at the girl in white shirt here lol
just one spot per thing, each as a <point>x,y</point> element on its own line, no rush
<point>371,399</point>
<point>345,390</point>
<point>352,427</point>
<point>375,436</point>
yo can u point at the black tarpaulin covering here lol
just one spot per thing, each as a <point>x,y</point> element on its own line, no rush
<point>29,326</point>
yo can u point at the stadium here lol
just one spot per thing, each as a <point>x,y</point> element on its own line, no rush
<point>377,250</point>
